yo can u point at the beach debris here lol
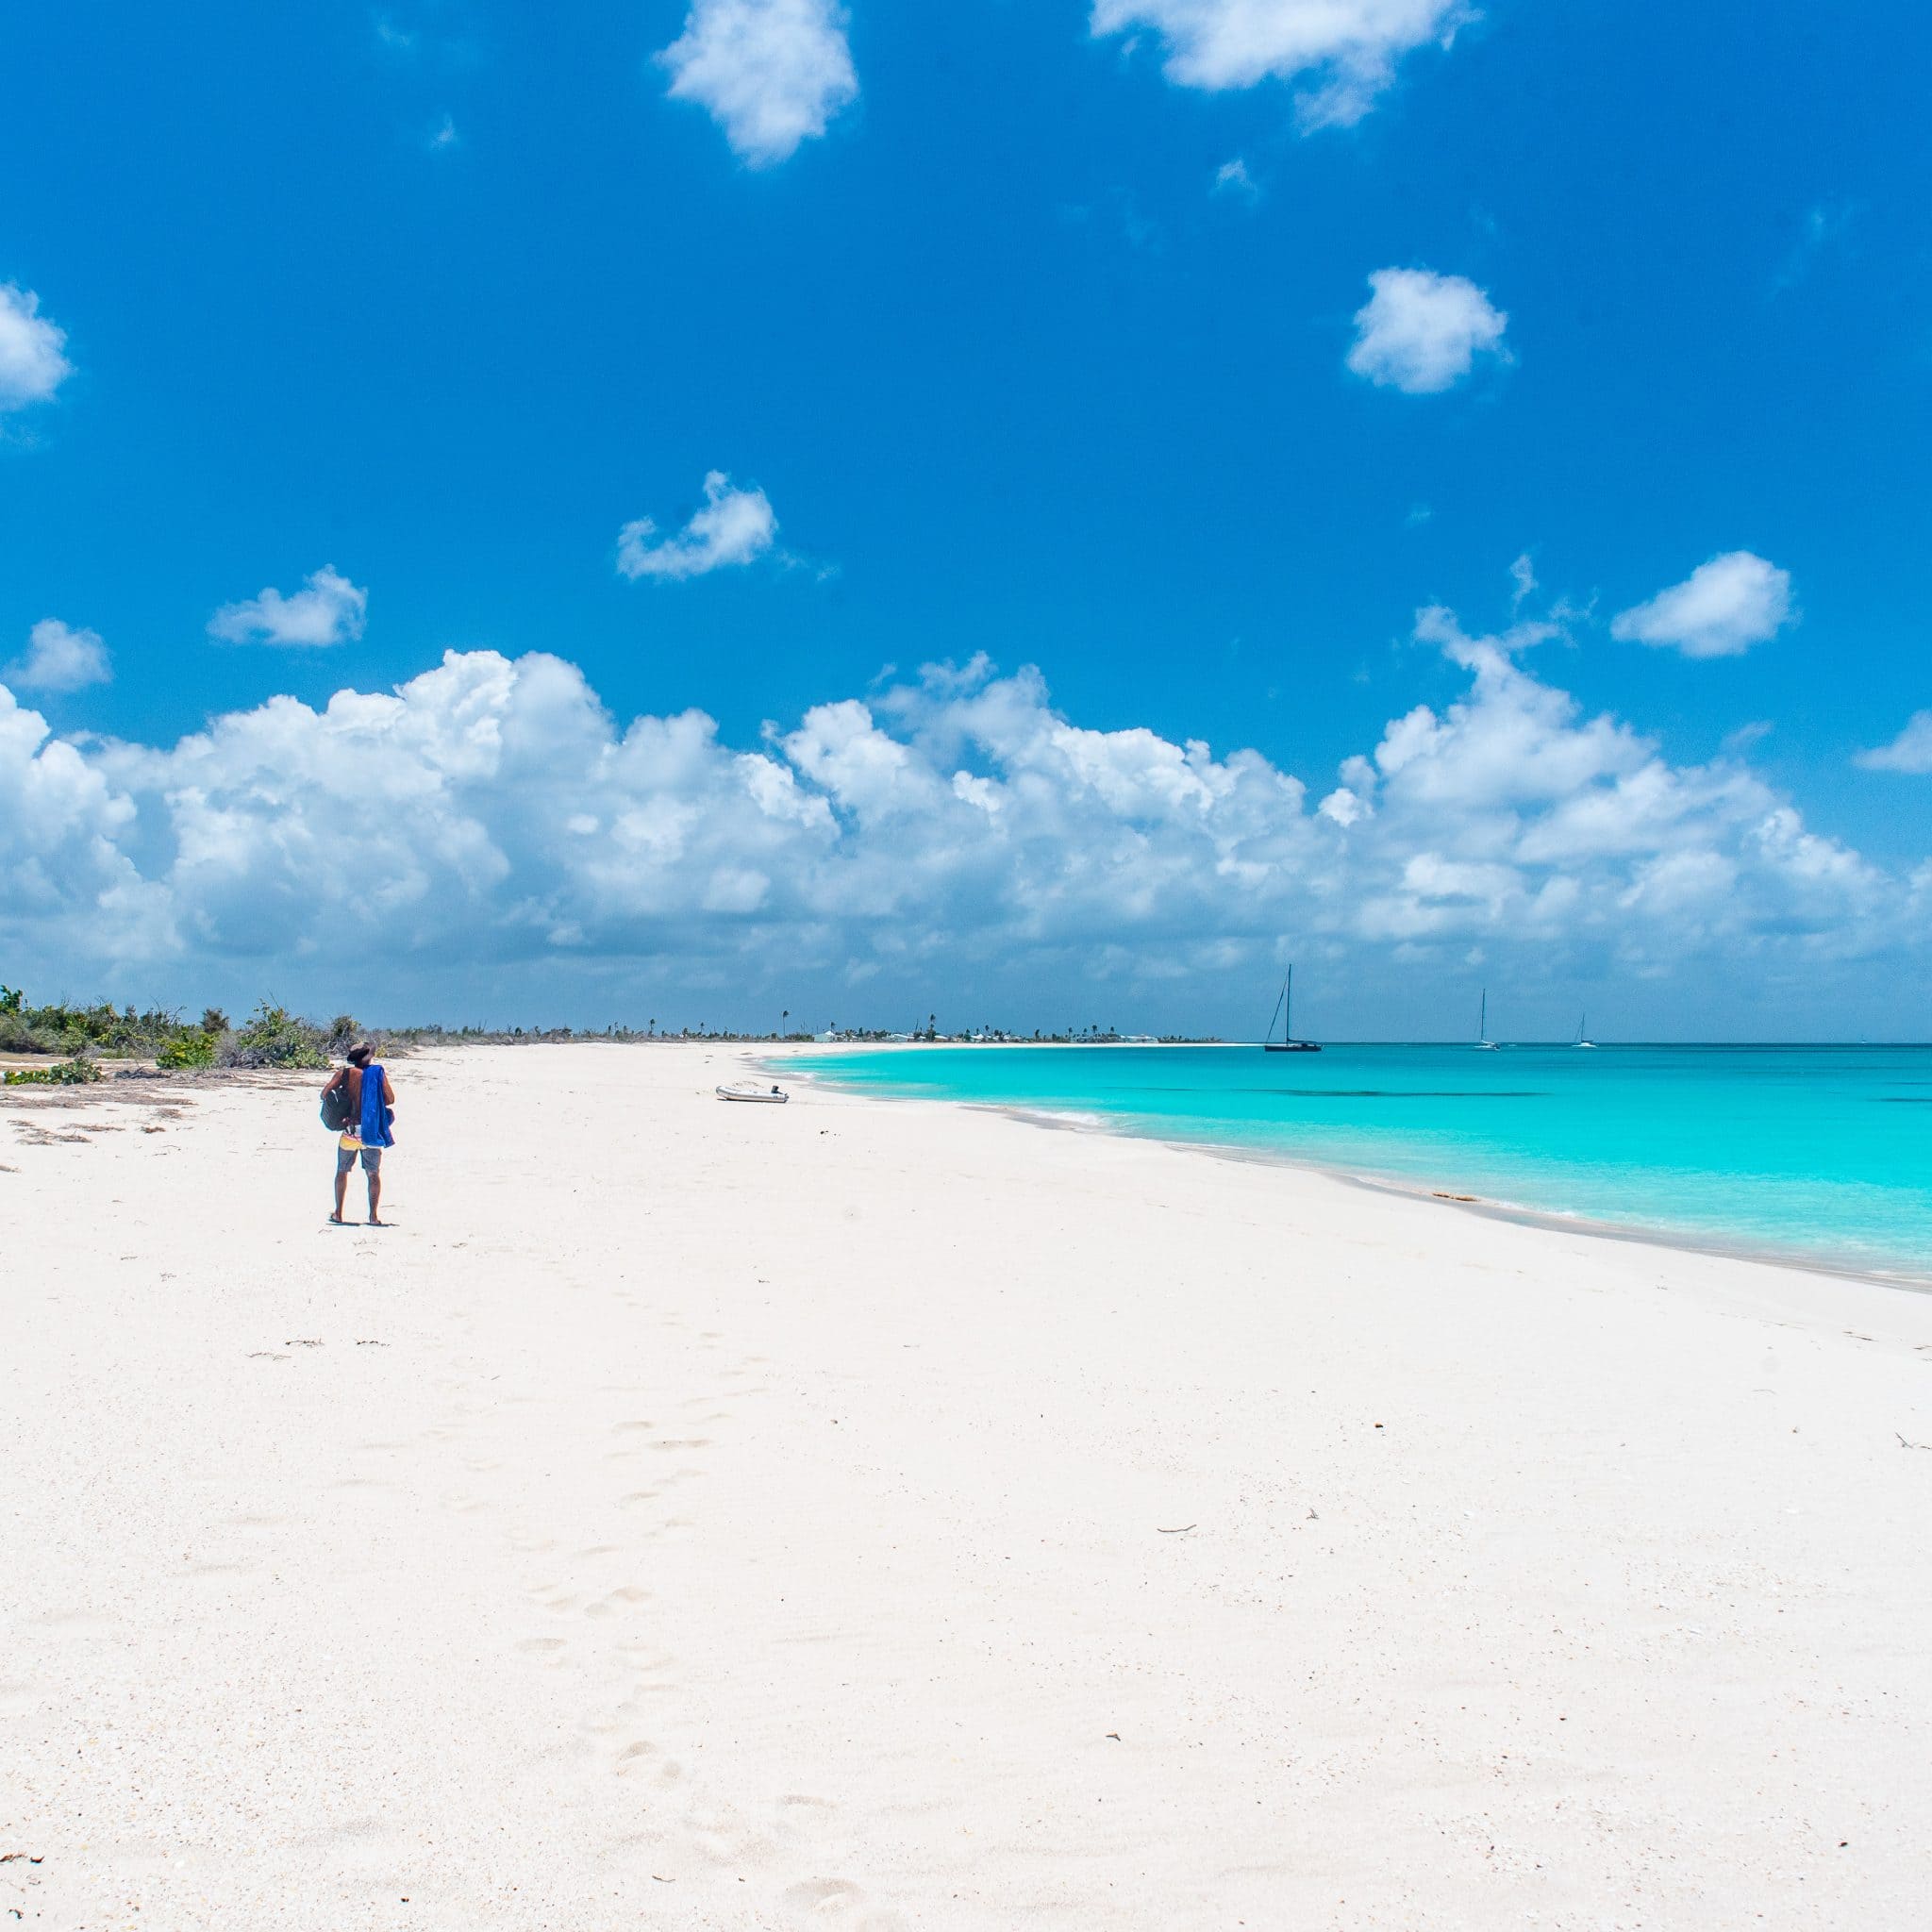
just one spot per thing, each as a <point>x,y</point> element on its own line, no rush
<point>268,1354</point>
<point>304,1341</point>
<point>1181,1531</point>
<point>1115,1735</point>
<point>371,1342</point>
<point>1902,1442</point>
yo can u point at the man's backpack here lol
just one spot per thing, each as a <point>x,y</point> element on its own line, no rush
<point>337,1113</point>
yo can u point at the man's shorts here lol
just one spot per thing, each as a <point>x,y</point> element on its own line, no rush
<point>345,1159</point>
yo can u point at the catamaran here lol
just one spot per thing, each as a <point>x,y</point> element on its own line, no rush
<point>1284,1010</point>
<point>1483,1043</point>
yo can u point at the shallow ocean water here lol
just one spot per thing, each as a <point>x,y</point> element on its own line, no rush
<point>1815,1153</point>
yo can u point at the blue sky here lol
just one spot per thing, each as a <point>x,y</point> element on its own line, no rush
<point>1033,332</point>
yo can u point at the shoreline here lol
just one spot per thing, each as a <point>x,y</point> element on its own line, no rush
<point>1671,1239</point>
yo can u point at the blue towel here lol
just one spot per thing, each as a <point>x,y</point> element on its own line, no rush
<point>376,1116</point>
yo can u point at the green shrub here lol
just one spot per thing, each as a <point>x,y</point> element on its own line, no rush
<point>273,1037</point>
<point>189,1049</point>
<point>214,1023</point>
<point>74,1030</point>
<point>74,1073</point>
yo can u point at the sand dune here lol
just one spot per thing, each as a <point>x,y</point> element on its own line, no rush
<point>886,1515</point>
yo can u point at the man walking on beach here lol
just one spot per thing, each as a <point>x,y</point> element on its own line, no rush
<point>371,1106</point>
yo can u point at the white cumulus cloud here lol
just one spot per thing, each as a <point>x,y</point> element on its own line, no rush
<point>1421,332</point>
<point>33,363</point>
<point>328,609</point>
<point>1347,49</point>
<point>1720,611</point>
<point>1911,751</point>
<point>58,657</point>
<point>735,526</point>
<point>771,73</point>
<point>490,818</point>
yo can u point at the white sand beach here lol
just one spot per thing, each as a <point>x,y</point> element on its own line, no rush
<point>881,1514</point>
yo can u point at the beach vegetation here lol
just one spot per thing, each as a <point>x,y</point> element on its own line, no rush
<point>191,1047</point>
<point>117,1032</point>
<point>273,1037</point>
<point>78,1072</point>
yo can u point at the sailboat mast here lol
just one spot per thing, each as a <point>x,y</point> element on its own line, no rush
<point>1287,1007</point>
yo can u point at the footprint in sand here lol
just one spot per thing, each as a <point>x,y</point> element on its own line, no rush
<point>621,1720</point>
<point>822,1895</point>
<point>359,1840</point>
<point>80,1620</point>
<point>619,1600</point>
<point>726,1838</point>
<point>644,1760</point>
<point>673,1529</point>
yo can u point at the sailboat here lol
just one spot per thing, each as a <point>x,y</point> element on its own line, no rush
<point>1284,1007</point>
<point>1583,1037</point>
<point>1483,1043</point>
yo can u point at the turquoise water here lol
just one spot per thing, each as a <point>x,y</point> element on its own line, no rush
<point>1817,1153</point>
